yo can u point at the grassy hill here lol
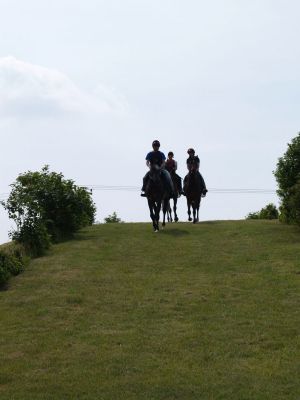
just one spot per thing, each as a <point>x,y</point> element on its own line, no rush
<point>207,311</point>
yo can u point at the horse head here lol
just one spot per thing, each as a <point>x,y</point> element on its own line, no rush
<point>155,174</point>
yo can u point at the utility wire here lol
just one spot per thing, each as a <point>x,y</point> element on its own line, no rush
<point>4,196</point>
<point>211,190</point>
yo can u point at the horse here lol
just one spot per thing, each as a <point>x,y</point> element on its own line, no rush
<point>174,198</point>
<point>194,189</point>
<point>157,196</point>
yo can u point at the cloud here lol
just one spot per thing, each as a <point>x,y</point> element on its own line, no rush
<point>29,90</point>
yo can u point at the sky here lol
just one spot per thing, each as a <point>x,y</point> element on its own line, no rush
<point>85,87</point>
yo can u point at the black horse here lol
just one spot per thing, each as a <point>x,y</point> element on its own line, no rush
<point>194,188</point>
<point>174,198</point>
<point>157,196</point>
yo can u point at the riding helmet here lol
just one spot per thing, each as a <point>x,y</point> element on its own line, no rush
<point>191,151</point>
<point>156,143</point>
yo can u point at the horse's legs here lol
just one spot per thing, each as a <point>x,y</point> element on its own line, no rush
<point>189,210</point>
<point>199,204</point>
<point>150,204</point>
<point>175,209</point>
<point>166,208</point>
<point>194,212</point>
<point>164,219</point>
<point>157,212</point>
<point>170,212</point>
<point>196,206</point>
<point>169,215</point>
<point>152,208</point>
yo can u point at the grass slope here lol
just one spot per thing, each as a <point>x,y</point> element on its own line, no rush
<point>207,311</point>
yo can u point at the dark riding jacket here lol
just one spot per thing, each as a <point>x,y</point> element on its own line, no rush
<point>193,160</point>
<point>156,158</point>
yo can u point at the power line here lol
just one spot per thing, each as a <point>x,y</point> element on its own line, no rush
<point>123,188</point>
<point>211,190</point>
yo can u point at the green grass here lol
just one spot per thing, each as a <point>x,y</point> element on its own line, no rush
<point>207,311</point>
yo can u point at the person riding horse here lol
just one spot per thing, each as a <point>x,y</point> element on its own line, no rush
<point>157,158</point>
<point>193,163</point>
<point>171,166</point>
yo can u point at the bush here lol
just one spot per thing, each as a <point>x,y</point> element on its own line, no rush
<point>4,273</point>
<point>268,212</point>
<point>113,218</point>
<point>253,215</point>
<point>12,262</point>
<point>34,236</point>
<point>47,208</point>
<point>287,175</point>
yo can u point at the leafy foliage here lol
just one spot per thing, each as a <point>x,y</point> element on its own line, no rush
<point>46,208</point>
<point>12,262</point>
<point>287,175</point>
<point>34,236</point>
<point>268,212</point>
<point>253,215</point>
<point>113,218</point>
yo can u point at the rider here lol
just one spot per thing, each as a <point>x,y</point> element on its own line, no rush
<point>171,166</point>
<point>158,158</point>
<point>194,161</point>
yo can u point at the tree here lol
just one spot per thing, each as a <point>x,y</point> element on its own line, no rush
<point>287,175</point>
<point>46,208</point>
<point>268,212</point>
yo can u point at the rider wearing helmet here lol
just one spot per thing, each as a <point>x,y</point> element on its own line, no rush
<point>193,161</point>
<point>171,166</point>
<point>155,157</point>
<point>158,158</point>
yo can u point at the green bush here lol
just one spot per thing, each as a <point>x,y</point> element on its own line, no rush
<point>34,236</point>
<point>12,262</point>
<point>287,174</point>
<point>47,208</point>
<point>113,218</point>
<point>253,215</point>
<point>4,273</point>
<point>268,212</point>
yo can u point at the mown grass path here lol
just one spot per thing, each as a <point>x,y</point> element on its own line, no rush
<point>207,311</point>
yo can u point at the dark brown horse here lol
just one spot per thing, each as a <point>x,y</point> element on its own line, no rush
<point>157,196</point>
<point>194,188</point>
<point>174,198</point>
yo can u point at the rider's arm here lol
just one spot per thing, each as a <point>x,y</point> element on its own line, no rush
<point>148,159</point>
<point>163,164</point>
<point>175,168</point>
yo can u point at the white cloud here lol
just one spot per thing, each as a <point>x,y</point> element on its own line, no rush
<point>31,90</point>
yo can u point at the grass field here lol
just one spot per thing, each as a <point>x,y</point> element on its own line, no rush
<point>207,311</point>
